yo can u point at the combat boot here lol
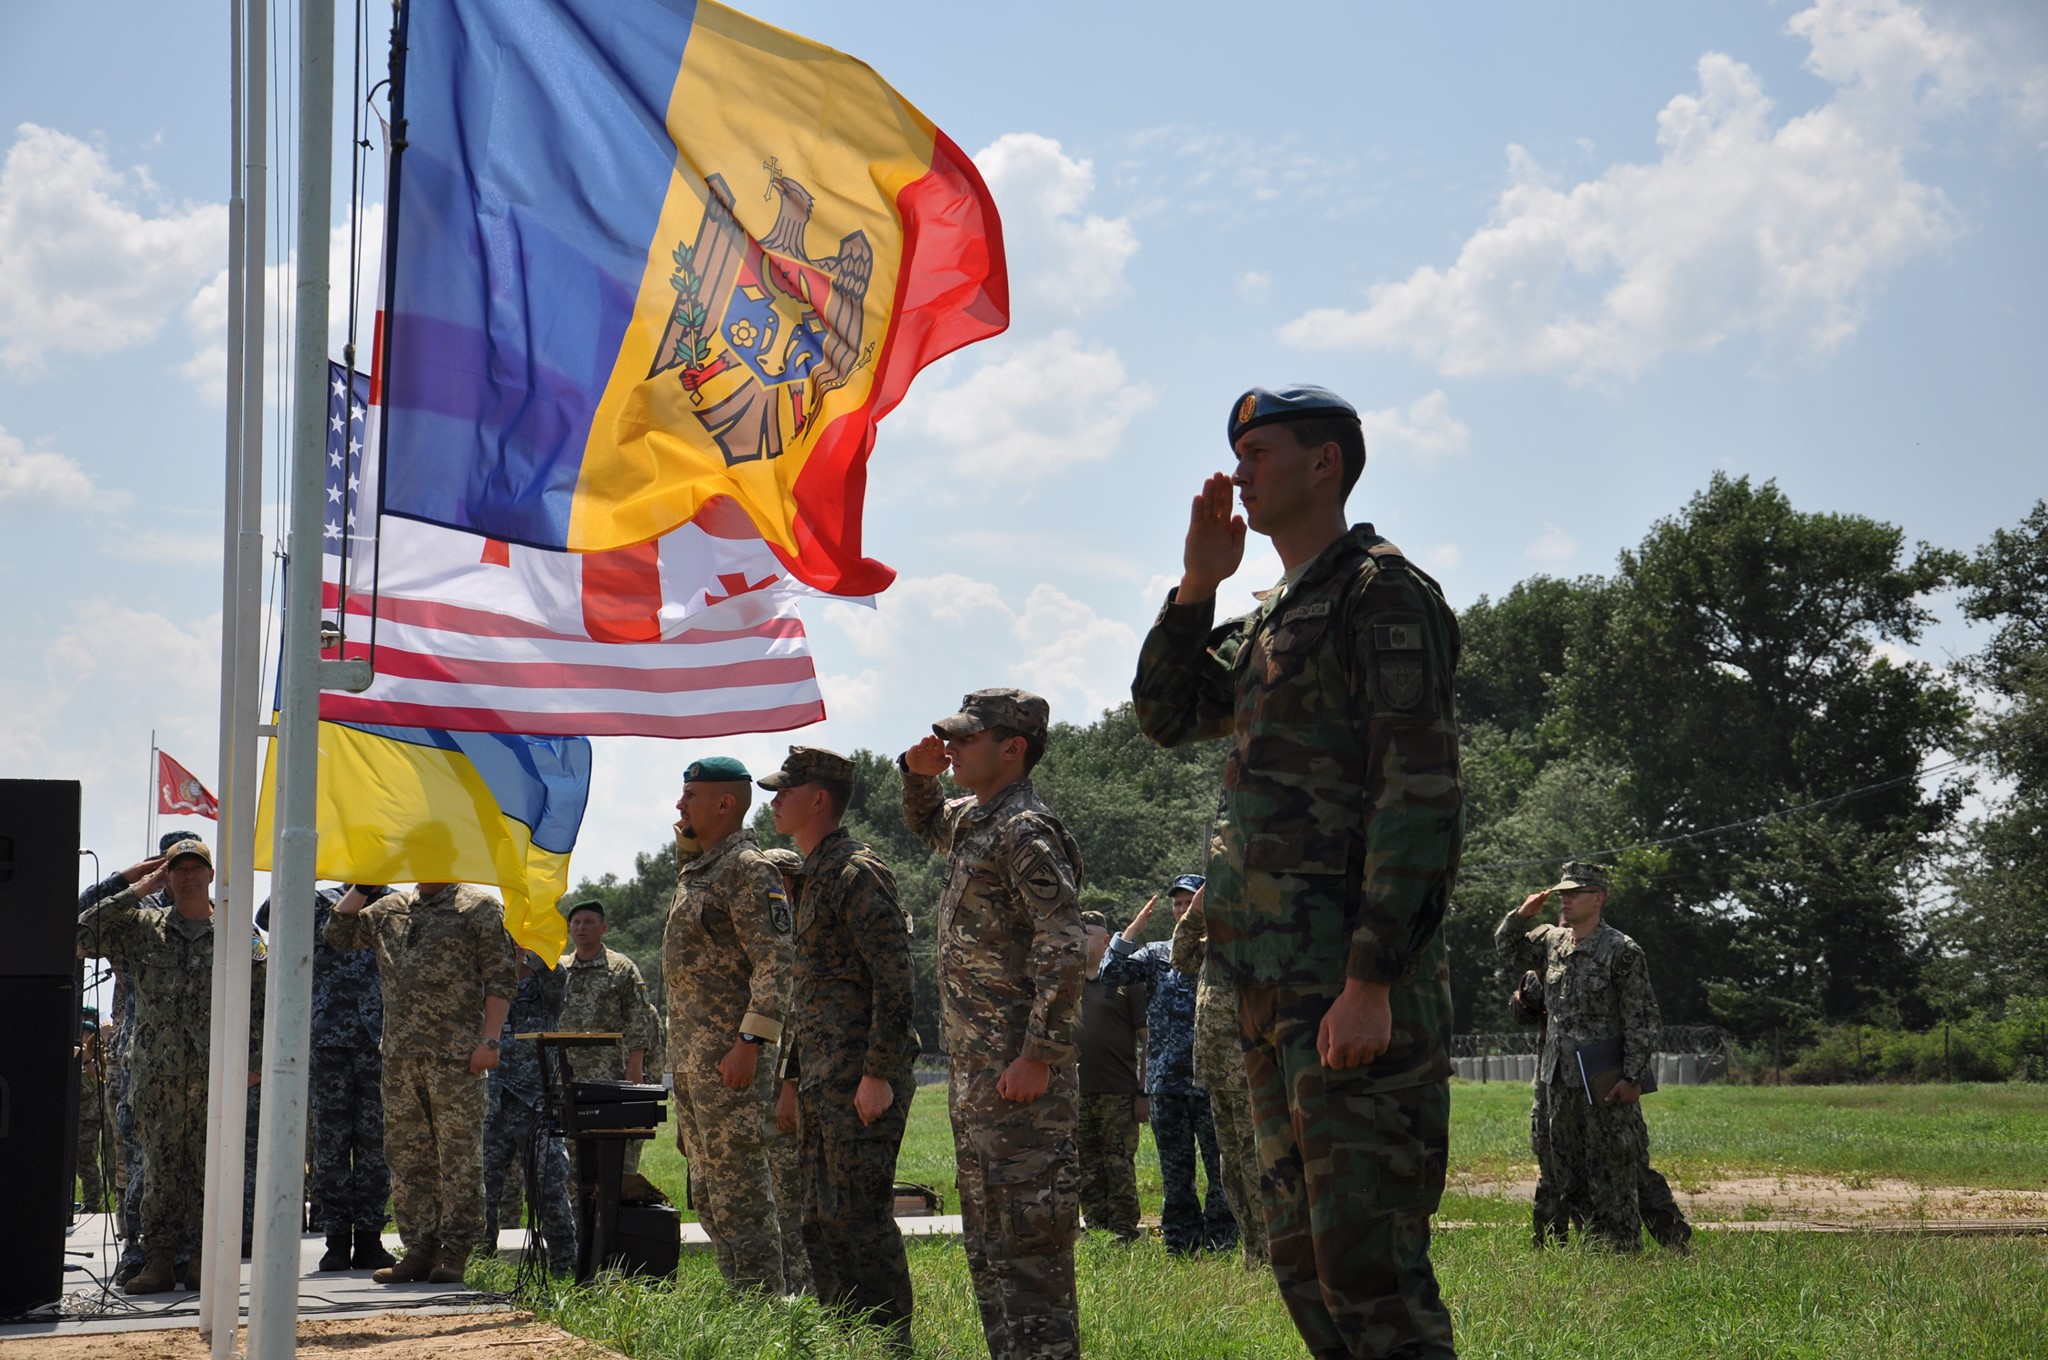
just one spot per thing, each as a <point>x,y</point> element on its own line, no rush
<point>156,1276</point>
<point>369,1253</point>
<point>449,1269</point>
<point>192,1268</point>
<point>416,1265</point>
<point>336,1257</point>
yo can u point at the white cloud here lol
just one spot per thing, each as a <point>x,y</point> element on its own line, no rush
<point>1045,406</point>
<point>1062,258</point>
<point>1443,557</point>
<point>1254,286</point>
<point>1073,651</point>
<point>91,259</point>
<point>1426,427</point>
<point>1745,224</point>
<point>1554,546</point>
<point>40,477</point>
<point>850,697</point>
<point>157,545</point>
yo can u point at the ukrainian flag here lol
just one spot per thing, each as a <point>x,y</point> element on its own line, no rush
<point>418,805</point>
<point>651,252</point>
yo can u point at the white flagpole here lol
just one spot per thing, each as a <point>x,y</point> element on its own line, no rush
<point>149,808</point>
<point>280,1162</point>
<point>241,633</point>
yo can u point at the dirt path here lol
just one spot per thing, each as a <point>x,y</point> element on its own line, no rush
<point>1828,1198</point>
<point>467,1336</point>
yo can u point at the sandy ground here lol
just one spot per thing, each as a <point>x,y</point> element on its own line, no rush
<point>495,1335</point>
<point>1828,1199</point>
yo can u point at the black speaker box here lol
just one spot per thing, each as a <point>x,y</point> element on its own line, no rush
<point>38,1119</point>
<point>648,1240</point>
<point>38,877</point>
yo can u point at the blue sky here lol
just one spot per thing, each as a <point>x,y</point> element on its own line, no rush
<point>1571,261</point>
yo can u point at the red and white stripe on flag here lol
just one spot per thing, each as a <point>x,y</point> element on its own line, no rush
<point>694,635</point>
<point>178,790</point>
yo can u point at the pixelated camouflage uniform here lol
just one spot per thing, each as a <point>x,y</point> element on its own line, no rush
<point>1338,834</point>
<point>725,953</point>
<point>1106,1137</point>
<point>1595,988</point>
<point>1012,955</point>
<point>168,964</point>
<point>606,995</point>
<point>522,1161</point>
<point>851,1017</point>
<point>126,1143</point>
<point>440,957</point>
<point>1183,1129</point>
<point>1219,1066</point>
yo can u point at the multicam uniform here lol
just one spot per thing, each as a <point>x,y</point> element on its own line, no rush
<point>1595,988</point>
<point>1012,955</point>
<point>1219,1066</point>
<point>851,1018</point>
<point>725,955</point>
<point>1338,839</point>
<point>440,957</point>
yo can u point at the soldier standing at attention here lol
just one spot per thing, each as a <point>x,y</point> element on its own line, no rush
<point>168,950</point>
<point>1596,985</point>
<point>1113,1101</point>
<point>445,963</point>
<point>602,991</point>
<point>1219,1066</point>
<point>350,1183</point>
<point>92,1085</point>
<point>1012,954</point>
<point>847,1080</point>
<point>1336,844</point>
<point>513,1138</point>
<point>785,1144</point>
<point>725,956</point>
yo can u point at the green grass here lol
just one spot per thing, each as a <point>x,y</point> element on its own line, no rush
<point>1796,1295</point>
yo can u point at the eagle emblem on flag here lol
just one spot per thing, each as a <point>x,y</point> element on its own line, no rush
<point>762,332</point>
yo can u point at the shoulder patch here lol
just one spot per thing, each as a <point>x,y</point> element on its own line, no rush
<point>778,911</point>
<point>1396,637</point>
<point>1039,873</point>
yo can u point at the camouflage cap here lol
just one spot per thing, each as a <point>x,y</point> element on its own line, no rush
<point>785,861</point>
<point>1187,883</point>
<point>1015,710</point>
<point>807,763</point>
<point>190,845</point>
<point>1579,873</point>
<point>1096,919</point>
<point>1266,406</point>
<point>716,770</point>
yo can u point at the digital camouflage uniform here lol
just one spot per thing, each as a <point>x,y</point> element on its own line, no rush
<point>522,1160</point>
<point>1219,1066</point>
<point>92,1124</point>
<point>1183,1129</point>
<point>606,995</point>
<point>1337,842</point>
<point>1012,955</point>
<point>1596,988</point>
<point>725,955</point>
<point>850,1017</point>
<point>127,1144</point>
<point>440,957</point>
<point>1112,1043</point>
<point>168,964</point>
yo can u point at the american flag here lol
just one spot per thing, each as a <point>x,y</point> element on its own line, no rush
<point>696,635</point>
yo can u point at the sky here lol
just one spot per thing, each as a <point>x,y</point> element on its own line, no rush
<point>1568,261</point>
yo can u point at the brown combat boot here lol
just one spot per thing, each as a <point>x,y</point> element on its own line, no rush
<point>416,1265</point>
<point>156,1276</point>
<point>192,1267</point>
<point>450,1267</point>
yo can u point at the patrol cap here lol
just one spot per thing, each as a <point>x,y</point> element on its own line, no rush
<point>1096,919</point>
<point>785,861</point>
<point>587,904</point>
<point>716,770</point>
<point>1270,405</point>
<point>190,845</point>
<point>1188,882</point>
<point>1015,710</point>
<point>1579,873</point>
<point>804,764</point>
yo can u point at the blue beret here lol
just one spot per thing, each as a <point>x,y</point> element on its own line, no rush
<point>1266,405</point>
<point>716,770</point>
<point>1191,882</point>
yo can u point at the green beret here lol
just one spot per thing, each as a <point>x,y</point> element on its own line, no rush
<point>716,770</point>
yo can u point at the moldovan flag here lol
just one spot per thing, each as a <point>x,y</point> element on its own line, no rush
<point>415,805</point>
<point>650,252</point>
<point>179,790</point>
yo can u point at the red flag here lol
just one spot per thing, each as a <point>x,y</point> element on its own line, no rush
<point>178,790</point>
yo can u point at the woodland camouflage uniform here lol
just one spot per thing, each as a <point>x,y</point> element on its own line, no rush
<point>726,961</point>
<point>1595,988</point>
<point>1012,955</point>
<point>851,1017</point>
<point>1336,846</point>
<point>440,957</point>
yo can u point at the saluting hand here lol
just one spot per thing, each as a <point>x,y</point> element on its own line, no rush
<point>1215,542</point>
<point>142,869</point>
<point>153,880</point>
<point>1533,903</point>
<point>927,758</point>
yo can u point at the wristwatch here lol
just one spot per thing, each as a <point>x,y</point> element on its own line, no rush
<point>491,1044</point>
<point>752,1039</point>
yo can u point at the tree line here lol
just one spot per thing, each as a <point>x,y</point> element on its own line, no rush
<point>1730,720</point>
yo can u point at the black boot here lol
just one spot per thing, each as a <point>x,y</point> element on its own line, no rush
<point>336,1259</point>
<point>369,1252</point>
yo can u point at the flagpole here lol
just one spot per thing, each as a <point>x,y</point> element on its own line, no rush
<point>241,664</point>
<point>280,1162</point>
<point>149,808</point>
